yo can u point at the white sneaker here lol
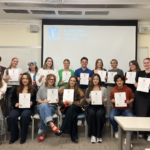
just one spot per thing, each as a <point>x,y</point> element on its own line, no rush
<point>148,138</point>
<point>93,139</point>
<point>126,142</point>
<point>140,135</point>
<point>99,140</point>
<point>116,135</point>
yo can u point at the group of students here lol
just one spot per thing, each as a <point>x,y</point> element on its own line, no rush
<point>37,84</point>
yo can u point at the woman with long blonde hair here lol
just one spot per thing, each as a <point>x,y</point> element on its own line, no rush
<point>48,68</point>
<point>10,83</point>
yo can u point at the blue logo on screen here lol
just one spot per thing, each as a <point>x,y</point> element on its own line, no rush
<point>53,33</point>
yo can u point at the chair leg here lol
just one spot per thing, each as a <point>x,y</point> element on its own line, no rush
<point>86,129</point>
<point>32,134</point>
<point>5,129</point>
<point>111,131</point>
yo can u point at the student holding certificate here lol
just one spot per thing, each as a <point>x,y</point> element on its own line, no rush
<point>110,81</point>
<point>95,111</point>
<point>100,70</point>
<point>33,69</point>
<point>71,109</point>
<point>22,96</point>
<point>11,77</point>
<point>48,68</point>
<point>83,74</point>
<point>121,97</point>
<point>47,106</point>
<point>65,74</point>
<point>134,68</point>
<point>142,99</point>
<point>3,88</point>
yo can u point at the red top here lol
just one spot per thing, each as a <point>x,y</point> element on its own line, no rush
<point>129,95</point>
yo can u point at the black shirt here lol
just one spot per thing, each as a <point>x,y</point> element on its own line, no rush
<point>144,75</point>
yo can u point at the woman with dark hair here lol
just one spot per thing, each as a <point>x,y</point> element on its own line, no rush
<point>142,99</point>
<point>25,113</point>
<point>33,69</point>
<point>96,113</point>
<point>71,109</point>
<point>48,68</point>
<point>134,67</point>
<point>45,109</point>
<point>99,67</point>
<point>120,111</point>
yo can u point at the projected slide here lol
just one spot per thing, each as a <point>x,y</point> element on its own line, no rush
<point>105,42</point>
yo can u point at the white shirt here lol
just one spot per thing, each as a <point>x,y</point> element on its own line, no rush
<point>13,82</point>
<point>3,89</point>
<point>41,72</point>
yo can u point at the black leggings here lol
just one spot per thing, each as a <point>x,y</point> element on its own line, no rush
<point>95,120</point>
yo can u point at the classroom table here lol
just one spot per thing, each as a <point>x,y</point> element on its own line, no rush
<point>129,124</point>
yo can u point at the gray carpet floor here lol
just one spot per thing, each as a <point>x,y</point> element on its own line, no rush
<point>64,143</point>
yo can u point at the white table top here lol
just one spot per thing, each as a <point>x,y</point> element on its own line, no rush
<point>134,123</point>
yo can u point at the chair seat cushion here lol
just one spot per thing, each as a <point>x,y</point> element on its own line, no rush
<point>36,116</point>
<point>80,116</point>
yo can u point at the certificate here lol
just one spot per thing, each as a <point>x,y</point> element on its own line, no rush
<point>66,76</point>
<point>68,95</point>
<point>52,95</point>
<point>111,77</point>
<point>102,75</point>
<point>24,100</point>
<point>96,97</point>
<point>84,78</point>
<point>143,84</point>
<point>130,77</point>
<point>14,75</point>
<point>46,72</point>
<point>120,99</point>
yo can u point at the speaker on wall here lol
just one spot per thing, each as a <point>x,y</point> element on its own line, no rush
<point>34,28</point>
<point>143,29</point>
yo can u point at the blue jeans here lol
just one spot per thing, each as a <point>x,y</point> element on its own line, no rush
<point>119,112</point>
<point>46,113</point>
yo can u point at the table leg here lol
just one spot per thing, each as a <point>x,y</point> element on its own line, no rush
<point>120,139</point>
<point>128,140</point>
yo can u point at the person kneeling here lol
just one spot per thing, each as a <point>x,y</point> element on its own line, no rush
<point>45,109</point>
<point>24,91</point>
<point>124,109</point>
<point>71,109</point>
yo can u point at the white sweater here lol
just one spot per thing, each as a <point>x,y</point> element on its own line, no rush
<point>3,89</point>
<point>13,82</point>
<point>41,72</point>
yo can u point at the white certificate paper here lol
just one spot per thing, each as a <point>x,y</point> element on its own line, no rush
<point>14,75</point>
<point>66,76</point>
<point>52,95</point>
<point>102,75</point>
<point>24,100</point>
<point>130,77</point>
<point>143,84</point>
<point>84,78</point>
<point>68,95</point>
<point>111,77</point>
<point>120,99</point>
<point>96,97</point>
<point>46,72</point>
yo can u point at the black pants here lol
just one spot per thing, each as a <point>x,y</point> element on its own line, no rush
<point>8,106</point>
<point>69,125</point>
<point>141,106</point>
<point>95,120</point>
<point>24,122</point>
